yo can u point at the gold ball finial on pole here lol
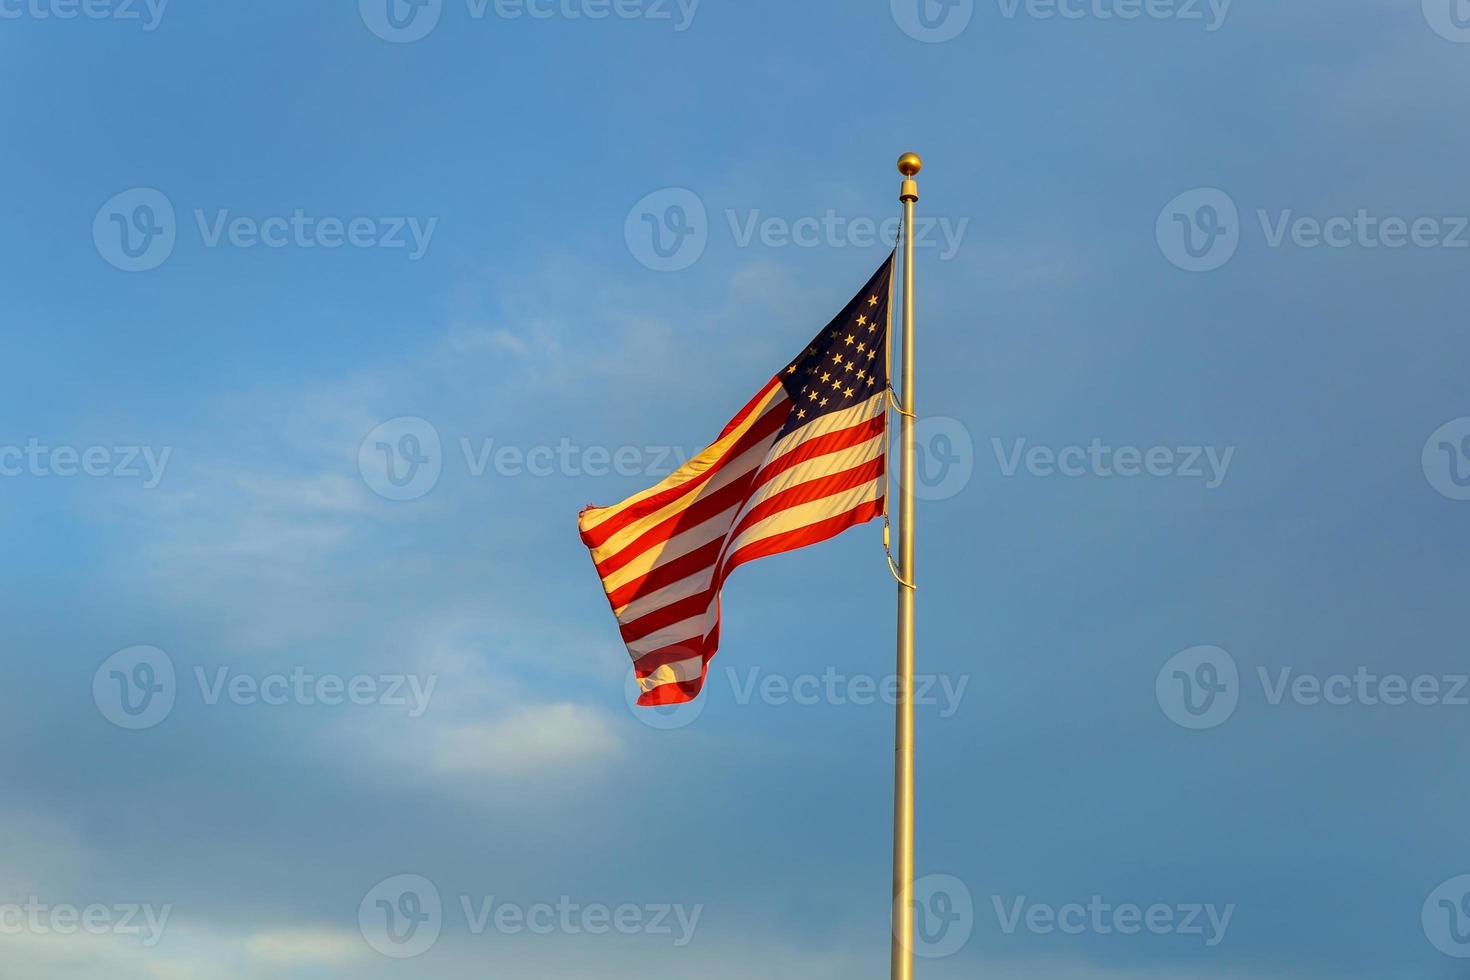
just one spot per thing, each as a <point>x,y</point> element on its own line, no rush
<point>909,164</point>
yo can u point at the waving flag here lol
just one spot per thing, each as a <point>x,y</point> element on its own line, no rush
<point>801,462</point>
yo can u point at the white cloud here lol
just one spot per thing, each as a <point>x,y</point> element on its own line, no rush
<point>40,856</point>
<point>289,947</point>
<point>488,722</point>
<point>331,955</point>
<point>82,956</point>
<point>544,741</point>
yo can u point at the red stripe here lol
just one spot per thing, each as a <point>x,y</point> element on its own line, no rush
<point>776,544</point>
<point>768,423</point>
<point>667,574</point>
<point>671,654</point>
<point>674,693</point>
<point>690,606</point>
<point>687,689</point>
<point>822,445</point>
<point>675,612</point>
<point>805,493</point>
<point>723,499</point>
<point>698,511</point>
<point>801,537</point>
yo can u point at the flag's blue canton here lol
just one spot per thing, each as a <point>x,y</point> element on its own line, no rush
<point>847,363</point>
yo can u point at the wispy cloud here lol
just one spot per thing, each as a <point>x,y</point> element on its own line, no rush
<point>295,947</point>
<point>545,741</point>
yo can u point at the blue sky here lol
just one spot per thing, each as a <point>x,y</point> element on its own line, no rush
<point>1219,247</point>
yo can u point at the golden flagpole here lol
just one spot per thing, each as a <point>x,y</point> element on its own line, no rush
<point>902,959</point>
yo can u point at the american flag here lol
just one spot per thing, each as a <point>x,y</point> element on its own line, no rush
<point>801,462</point>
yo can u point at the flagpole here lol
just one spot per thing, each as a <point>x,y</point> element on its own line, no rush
<point>902,954</point>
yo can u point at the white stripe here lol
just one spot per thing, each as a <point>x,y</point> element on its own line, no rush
<point>763,450</point>
<point>811,469</point>
<point>679,670</point>
<point>654,601</point>
<point>817,467</point>
<point>676,547</point>
<point>810,513</point>
<point>844,419</point>
<point>695,629</point>
<point>707,458</point>
<point>689,630</point>
<point>728,473</point>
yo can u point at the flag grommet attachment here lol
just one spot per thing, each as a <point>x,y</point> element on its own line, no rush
<point>888,551</point>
